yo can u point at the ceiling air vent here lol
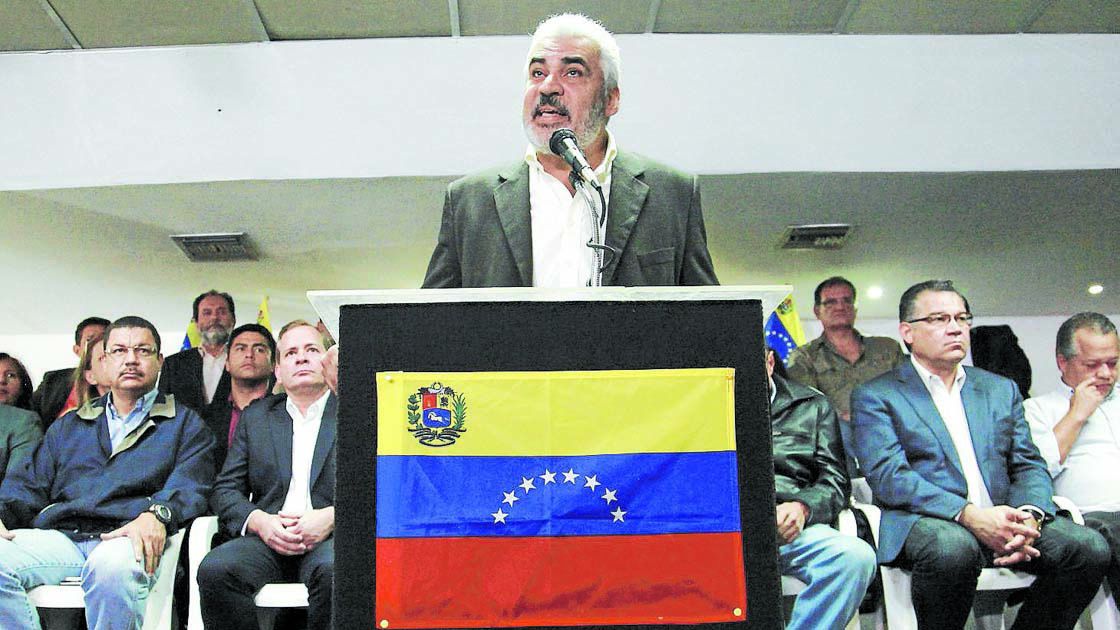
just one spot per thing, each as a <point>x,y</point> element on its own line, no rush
<point>224,247</point>
<point>821,236</point>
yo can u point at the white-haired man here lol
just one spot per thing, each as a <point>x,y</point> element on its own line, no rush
<point>526,225</point>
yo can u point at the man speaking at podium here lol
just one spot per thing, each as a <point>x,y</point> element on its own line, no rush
<point>527,224</point>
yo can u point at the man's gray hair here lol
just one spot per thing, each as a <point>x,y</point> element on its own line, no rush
<point>1095,322</point>
<point>578,25</point>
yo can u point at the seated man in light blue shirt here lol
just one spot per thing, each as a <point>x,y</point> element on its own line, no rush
<point>110,482</point>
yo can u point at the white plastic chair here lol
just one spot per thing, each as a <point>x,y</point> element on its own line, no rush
<point>792,586</point>
<point>268,600</point>
<point>159,613</point>
<point>896,587</point>
<point>1102,610</point>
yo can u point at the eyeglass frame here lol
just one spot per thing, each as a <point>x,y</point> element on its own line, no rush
<point>120,353</point>
<point>964,320</point>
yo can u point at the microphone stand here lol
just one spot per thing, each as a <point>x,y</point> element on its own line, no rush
<point>597,208</point>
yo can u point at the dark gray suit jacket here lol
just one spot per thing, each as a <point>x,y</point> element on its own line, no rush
<point>259,463</point>
<point>181,377</point>
<point>50,397</point>
<point>654,219</point>
<point>19,437</point>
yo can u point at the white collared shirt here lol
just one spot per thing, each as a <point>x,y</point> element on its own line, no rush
<point>212,369</point>
<point>305,432</point>
<point>1089,477</point>
<point>561,224</point>
<point>951,408</point>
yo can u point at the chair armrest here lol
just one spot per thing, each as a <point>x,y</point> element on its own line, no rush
<point>1067,505</point>
<point>203,530</point>
<point>847,523</point>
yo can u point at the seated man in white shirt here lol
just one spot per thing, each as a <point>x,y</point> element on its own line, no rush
<point>275,494</point>
<point>1077,426</point>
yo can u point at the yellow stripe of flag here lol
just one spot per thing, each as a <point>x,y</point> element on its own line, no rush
<point>558,413</point>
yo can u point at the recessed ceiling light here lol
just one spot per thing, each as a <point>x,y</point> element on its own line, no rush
<point>1096,289</point>
<point>875,292</point>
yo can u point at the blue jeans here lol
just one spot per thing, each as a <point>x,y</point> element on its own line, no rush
<point>115,584</point>
<point>836,570</point>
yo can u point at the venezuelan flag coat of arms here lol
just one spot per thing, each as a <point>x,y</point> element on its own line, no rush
<point>573,498</point>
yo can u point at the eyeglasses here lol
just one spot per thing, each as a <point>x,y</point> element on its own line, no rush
<point>834,302</point>
<point>964,320</point>
<point>119,353</point>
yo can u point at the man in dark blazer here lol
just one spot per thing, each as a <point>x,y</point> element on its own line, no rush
<point>949,458</point>
<point>275,494</point>
<point>197,376</point>
<point>654,230</point>
<point>250,362</point>
<point>50,397</point>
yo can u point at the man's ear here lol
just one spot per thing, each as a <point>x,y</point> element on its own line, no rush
<point>770,363</point>
<point>906,332</point>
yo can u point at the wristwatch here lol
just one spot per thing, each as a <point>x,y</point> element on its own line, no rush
<point>1039,515</point>
<point>161,512</point>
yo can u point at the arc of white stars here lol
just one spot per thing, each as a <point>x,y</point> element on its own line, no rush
<point>592,482</point>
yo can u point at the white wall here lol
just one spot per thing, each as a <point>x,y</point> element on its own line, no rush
<point>443,106</point>
<point>1036,337</point>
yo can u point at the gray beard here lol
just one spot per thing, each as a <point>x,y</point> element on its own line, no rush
<point>215,336</point>
<point>592,127</point>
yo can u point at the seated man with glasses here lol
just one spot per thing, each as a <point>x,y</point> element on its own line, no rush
<point>109,483</point>
<point>949,458</point>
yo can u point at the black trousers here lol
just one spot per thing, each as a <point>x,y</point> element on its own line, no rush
<point>233,572</point>
<point>1108,525</point>
<point>945,560</point>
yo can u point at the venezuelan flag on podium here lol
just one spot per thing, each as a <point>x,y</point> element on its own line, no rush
<point>510,499</point>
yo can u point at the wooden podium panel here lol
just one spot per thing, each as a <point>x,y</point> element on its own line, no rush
<point>509,335</point>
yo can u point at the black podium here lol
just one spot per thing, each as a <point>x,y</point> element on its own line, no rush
<point>475,330</point>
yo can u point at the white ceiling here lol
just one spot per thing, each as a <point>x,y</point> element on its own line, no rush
<point>65,24</point>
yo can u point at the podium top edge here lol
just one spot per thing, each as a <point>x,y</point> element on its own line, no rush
<point>328,303</point>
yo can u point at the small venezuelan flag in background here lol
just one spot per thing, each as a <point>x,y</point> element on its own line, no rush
<point>192,338</point>
<point>557,498</point>
<point>783,329</point>
<point>263,316</point>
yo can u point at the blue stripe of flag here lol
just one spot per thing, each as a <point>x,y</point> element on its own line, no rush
<point>778,338</point>
<point>646,493</point>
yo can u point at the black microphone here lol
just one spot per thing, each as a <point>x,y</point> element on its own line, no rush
<point>563,143</point>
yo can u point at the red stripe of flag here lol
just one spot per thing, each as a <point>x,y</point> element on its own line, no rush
<point>549,581</point>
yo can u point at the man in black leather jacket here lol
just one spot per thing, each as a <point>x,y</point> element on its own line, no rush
<point>812,487</point>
